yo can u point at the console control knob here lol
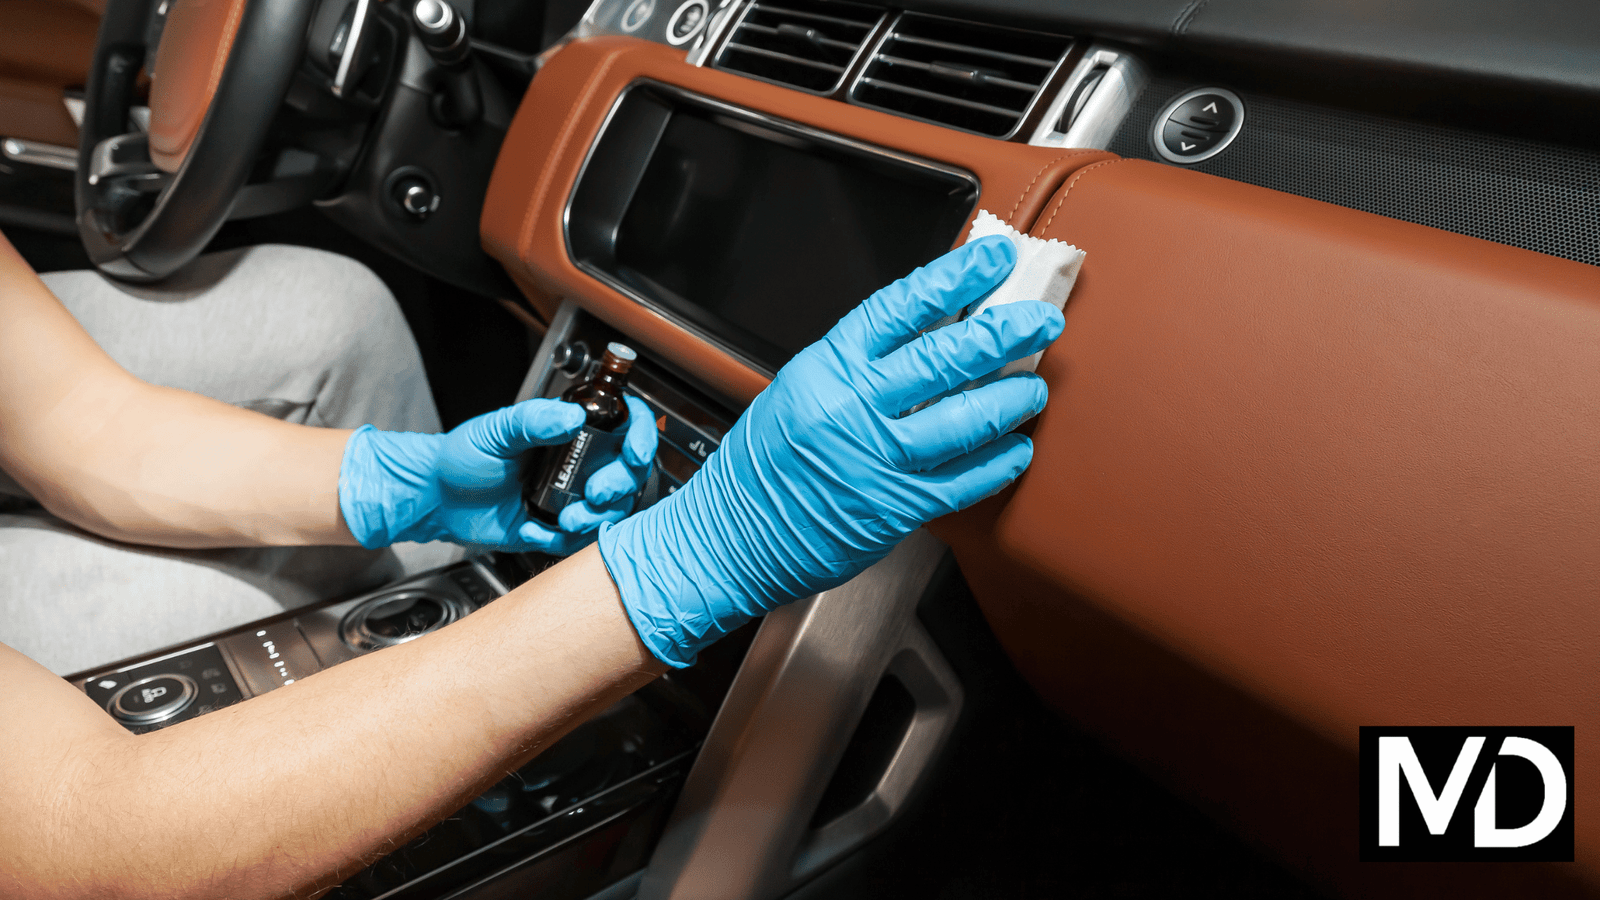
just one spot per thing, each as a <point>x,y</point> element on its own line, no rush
<point>153,699</point>
<point>416,197</point>
<point>442,31</point>
<point>572,358</point>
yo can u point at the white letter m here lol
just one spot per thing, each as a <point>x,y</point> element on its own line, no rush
<point>1396,756</point>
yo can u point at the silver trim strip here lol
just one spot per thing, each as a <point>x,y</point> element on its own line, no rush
<point>758,118</point>
<point>35,153</point>
<point>1106,107</point>
<point>358,24</point>
<point>741,828</point>
<point>162,658</point>
<point>488,574</point>
<point>559,332</point>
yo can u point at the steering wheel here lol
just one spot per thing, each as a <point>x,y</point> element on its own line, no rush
<point>147,203</point>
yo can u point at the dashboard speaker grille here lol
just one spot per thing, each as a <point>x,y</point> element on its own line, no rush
<point>808,44</point>
<point>1538,196</point>
<point>978,78</point>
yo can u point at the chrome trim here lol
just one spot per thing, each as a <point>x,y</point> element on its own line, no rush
<point>1106,107</point>
<point>34,153</point>
<point>352,44</point>
<point>872,38</point>
<point>353,629</point>
<point>161,713</point>
<point>672,22</point>
<point>1022,118</point>
<point>1170,108</point>
<point>557,335</point>
<point>162,658</point>
<point>482,568</point>
<point>725,13</point>
<point>738,112</point>
<point>740,829</point>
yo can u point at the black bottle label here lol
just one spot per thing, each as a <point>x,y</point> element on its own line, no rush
<point>571,466</point>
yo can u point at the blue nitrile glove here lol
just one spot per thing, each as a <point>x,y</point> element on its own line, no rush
<point>822,476</point>
<point>463,487</point>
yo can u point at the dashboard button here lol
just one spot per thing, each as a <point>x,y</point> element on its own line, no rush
<point>153,699</point>
<point>1197,125</point>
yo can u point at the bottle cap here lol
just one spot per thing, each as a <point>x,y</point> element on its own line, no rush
<point>621,351</point>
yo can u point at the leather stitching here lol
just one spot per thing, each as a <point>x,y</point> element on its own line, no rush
<point>1068,189</point>
<point>1010,220</point>
<point>1186,17</point>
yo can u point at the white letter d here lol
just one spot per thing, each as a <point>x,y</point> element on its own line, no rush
<point>1484,832</point>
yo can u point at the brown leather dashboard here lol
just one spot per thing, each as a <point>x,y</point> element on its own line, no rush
<point>1344,468</point>
<point>1304,468</point>
<point>562,114</point>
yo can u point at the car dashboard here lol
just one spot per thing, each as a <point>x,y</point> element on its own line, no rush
<point>1318,454</point>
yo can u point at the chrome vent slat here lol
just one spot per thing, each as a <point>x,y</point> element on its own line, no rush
<point>773,54</point>
<point>775,32</point>
<point>975,77</point>
<point>980,51</point>
<point>934,69</point>
<point>806,44</point>
<point>941,98</point>
<point>815,17</point>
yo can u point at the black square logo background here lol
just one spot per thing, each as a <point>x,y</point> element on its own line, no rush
<point>1519,794</point>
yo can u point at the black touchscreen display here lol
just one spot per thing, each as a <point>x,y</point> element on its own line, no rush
<point>765,238</point>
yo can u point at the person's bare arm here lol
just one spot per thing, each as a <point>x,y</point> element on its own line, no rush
<point>136,462</point>
<point>273,797</point>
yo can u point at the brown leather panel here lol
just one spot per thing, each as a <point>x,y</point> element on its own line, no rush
<point>48,41</point>
<point>45,47</point>
<point>1245,763</point>
<point>33,112</point>
<point>562,113</point>
<point>1342,463</point>
<point>194,50</point>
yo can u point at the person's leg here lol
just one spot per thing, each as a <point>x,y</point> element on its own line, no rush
<point>71,601</point>
<point>300,334</point>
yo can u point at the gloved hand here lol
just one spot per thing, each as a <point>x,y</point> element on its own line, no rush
<point>463,486</point>
<point>823,475</point>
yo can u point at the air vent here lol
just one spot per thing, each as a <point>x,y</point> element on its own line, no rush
<point>978,78</point>
<point>808,44</point>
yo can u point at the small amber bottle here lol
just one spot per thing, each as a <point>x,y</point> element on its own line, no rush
<point>556,477</point>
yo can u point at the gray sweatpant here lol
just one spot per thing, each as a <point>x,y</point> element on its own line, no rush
<point>299,334</point>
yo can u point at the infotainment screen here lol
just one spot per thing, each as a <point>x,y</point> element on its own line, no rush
<point>755,232</point>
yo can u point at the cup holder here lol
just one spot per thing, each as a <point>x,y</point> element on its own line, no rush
<point>390,619</point>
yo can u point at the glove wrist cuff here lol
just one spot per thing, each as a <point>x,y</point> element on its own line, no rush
<point>386,491</point>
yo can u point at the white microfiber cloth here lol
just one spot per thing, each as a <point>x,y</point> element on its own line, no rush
<point>1045,270</point>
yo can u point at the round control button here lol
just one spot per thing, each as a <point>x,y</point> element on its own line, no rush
<point>1197,125</point>
<point>637,13</point>
<point>153,699</point>
<point>686,21</point>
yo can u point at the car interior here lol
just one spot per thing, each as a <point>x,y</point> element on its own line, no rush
<point>1315,458</point>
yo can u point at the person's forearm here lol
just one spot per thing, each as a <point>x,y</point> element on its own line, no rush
<point>141,463</point>
<point>167,467</point>
<point>274,796</point>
